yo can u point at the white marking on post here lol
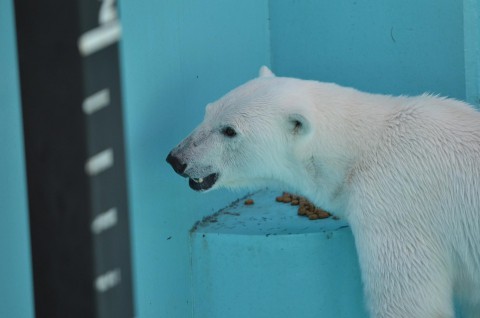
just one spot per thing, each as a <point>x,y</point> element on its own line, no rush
<point>108,11</point>
<point>99,162</point>
<point>104,221</point>
<point>99,38</point>
<point>97,101</point>
<point>108,280</point>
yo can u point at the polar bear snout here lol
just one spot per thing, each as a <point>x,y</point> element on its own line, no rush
<point>177,164</point>
<point>203,183</point>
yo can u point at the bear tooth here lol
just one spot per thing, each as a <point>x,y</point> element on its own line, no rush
<point>200,180</point>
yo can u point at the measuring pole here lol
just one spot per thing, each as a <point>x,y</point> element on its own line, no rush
<point>72,117</point>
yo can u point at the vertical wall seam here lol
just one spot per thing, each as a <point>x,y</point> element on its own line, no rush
<point>269,36</point>
<point>471,29</point>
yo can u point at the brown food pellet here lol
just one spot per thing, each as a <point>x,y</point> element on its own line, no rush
<point>305,207</point>
<point>323,214</point>
<point>248,202</point>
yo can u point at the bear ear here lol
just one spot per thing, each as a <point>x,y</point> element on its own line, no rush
<point>298,124</point>
<point>265,72</point>
<point>208,108</point>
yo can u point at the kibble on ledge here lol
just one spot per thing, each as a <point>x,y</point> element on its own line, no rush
<point>305,207</point>
<point>248,202</point>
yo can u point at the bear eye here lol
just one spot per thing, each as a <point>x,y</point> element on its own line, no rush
<point>229,132</point>
<point>297,125</point>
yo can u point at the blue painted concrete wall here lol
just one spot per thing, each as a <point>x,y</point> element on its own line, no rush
<point>16,299</point>
<point>390,47</point>
<point>177,56</point>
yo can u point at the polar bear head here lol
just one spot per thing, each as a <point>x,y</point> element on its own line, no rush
<point>253,136</point>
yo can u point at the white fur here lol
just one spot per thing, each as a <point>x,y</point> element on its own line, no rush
<point>404,172</point>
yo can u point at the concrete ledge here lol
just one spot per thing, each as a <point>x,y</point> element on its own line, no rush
<point>263,260</point>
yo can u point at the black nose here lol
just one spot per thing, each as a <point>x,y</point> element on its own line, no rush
<point>177,165</point>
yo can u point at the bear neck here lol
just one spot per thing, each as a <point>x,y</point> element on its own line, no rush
<point>349,127</point>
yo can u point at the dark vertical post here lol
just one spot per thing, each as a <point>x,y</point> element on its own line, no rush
<point>71,100</point>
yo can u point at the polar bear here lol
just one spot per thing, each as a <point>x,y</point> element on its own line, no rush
<point>403,171</point>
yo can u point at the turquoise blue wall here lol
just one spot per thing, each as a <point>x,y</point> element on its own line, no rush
<point>16,299</point>
<point>177,55</point>
<point>390,47</point>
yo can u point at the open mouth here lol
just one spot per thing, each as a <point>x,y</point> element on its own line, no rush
<point>202,184</point>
